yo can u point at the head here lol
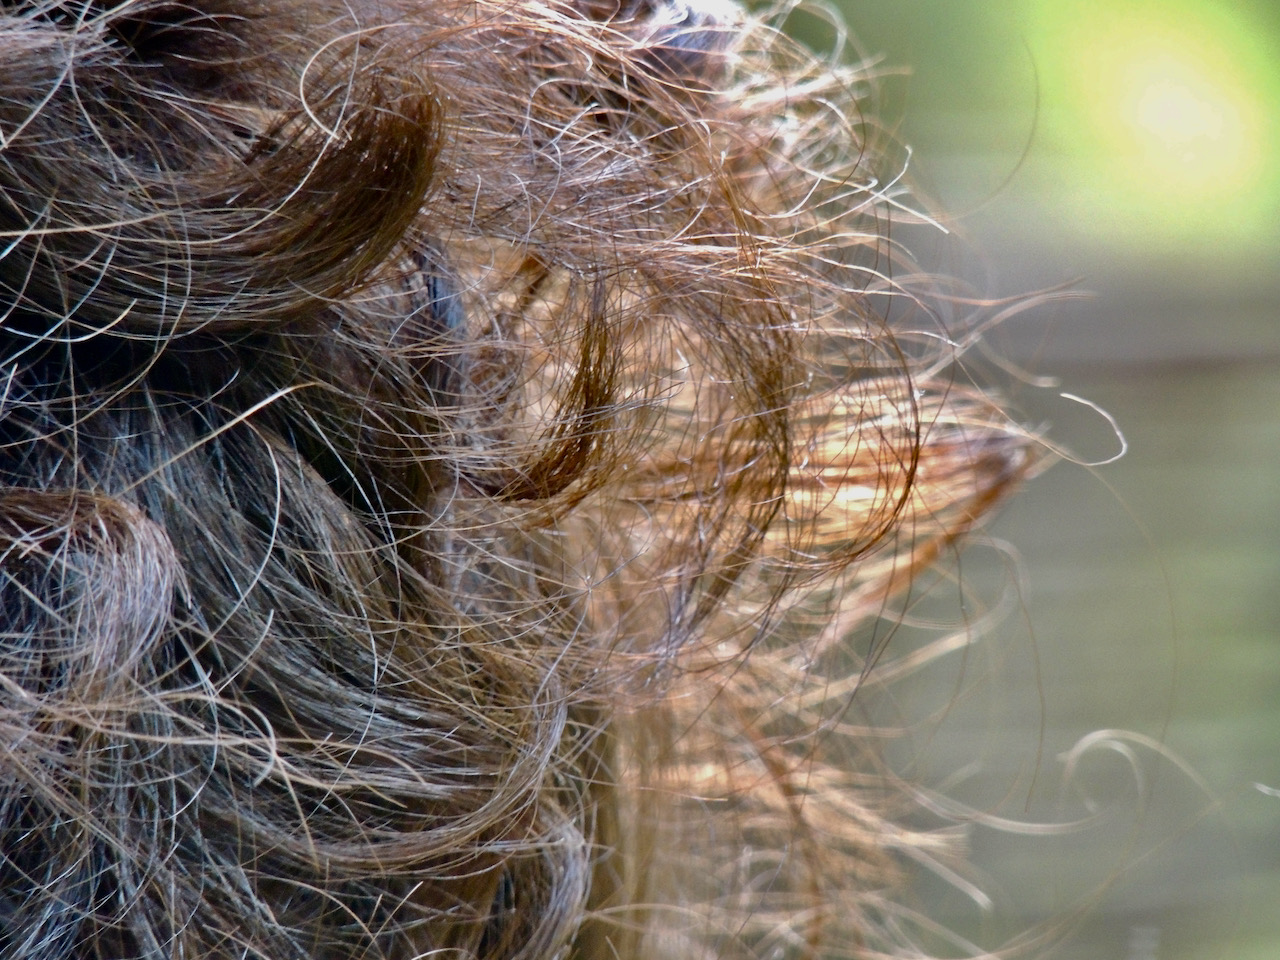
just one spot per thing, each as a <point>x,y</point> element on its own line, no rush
<point>446,448</point>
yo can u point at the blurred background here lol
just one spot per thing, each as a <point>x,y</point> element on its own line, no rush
<point>1128,148</point>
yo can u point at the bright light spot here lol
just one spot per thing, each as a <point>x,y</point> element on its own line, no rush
<point>1161,118</point>
<point>1181,125</point>
<point>1178,116</point>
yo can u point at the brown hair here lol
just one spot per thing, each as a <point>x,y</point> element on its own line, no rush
<point>445,447</point>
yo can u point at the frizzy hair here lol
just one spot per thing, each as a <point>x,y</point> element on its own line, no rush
<point>445,448</point>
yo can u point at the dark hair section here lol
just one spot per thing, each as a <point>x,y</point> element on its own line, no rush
<point>445,449</point>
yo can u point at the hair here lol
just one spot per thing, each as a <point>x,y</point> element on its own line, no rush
<point>446,450</point>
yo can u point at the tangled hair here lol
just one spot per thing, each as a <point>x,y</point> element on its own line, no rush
<point>446,447</point>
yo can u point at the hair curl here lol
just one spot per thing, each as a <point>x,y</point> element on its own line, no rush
<point>444,447</point>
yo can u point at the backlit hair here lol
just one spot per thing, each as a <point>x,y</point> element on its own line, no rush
<point>445,449</point>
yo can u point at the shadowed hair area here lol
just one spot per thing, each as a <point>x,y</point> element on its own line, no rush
<point>447,451</point>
